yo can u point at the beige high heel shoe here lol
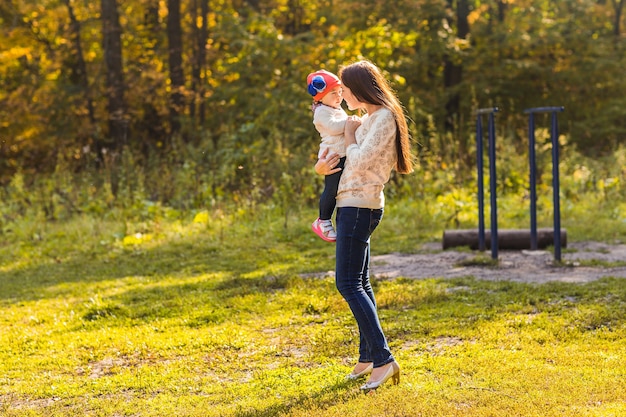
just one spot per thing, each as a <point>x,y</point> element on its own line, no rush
<point>358,375</point>
<point>393,372</point>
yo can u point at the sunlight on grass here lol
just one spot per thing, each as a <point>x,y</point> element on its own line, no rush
<point>201,320</point>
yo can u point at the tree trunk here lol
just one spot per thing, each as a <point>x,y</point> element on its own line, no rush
<point>619,7</point>
<point>196,106</point>
<point>152,127</point>
<point>293,26</point>
<point>175,41</point>
<point>453,73</point>
<point>453,76</point>
<point>501,10</point>
<point>204,36</point>
<point>80,69</point>
<point>195,66</point>
<point>112,47</point>
<point>514,239</point>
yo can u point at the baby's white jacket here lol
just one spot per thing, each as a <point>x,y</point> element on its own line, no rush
<point>330,123</point>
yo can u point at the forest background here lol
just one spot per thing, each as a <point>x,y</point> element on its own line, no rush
<point>157,187</point>
<point>202,104</point>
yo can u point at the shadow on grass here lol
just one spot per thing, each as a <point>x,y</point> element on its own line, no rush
<point>201,302</point>
<point>190,257</point>
<point>329,396</point>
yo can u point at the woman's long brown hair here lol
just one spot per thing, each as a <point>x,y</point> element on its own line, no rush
<point>368,85</point>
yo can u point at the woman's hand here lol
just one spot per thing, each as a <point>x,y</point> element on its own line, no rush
<point>327,164</point>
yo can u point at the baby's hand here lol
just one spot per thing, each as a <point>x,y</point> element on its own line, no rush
<point>352,124</point>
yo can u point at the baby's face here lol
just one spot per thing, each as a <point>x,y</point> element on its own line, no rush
<point>334,97</point>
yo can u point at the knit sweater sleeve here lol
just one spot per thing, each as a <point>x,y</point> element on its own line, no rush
<point>369,162</point>
<point>375,147</point>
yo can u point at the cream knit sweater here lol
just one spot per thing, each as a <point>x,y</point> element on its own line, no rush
<point>369,162</point>
<point>330,123</point>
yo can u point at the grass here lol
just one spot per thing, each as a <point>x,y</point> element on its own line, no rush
<point>601,263</point>
<point>217,317</point>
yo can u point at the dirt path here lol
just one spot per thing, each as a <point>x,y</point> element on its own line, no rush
<point>524,266</point>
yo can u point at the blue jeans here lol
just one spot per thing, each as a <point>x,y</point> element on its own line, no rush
<point>354,228</point>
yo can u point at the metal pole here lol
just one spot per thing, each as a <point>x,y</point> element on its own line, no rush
<point>533,181</point>
<point>492,186</point>
<point>492,180</point>
<point>554,136</point>
<point>481,193</point>
<point>555,188</point>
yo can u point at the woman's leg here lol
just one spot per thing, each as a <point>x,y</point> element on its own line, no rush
<point>354,228</point>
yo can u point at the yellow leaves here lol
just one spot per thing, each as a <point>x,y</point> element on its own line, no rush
<point>163,9</point>
<point>232,77</point>
<point>461,44</point>
<point>212,20</point>
<point>459,205</point>
<point>137,239</point>
<point>202,217</point>
<point>380,39</point>
<point>476,14</point>
<point>620,211</point>
<point>581,174</point>
<point>606,184</point>
<point>53,75</point>
<point>28,133</point>
<point>14,53</point>
<point>399,80</point>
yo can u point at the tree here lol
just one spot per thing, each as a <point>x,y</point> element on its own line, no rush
<point>79,69</point>
<point>175,52</point>
<point>619,7</point>
<point>200,35</point>
<point>112,48</point>
<point>453,71</point>
<point>247,60</point>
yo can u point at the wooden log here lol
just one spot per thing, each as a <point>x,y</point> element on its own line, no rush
<point>516,239</point>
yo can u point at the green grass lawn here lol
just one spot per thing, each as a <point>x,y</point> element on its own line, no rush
<point>217,317</point>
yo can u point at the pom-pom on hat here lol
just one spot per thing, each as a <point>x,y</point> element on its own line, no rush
<point>320,83</point>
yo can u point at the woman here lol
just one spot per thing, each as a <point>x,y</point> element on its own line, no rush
<point>375,144</point>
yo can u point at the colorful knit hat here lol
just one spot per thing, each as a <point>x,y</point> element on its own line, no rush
<point>320,83</point>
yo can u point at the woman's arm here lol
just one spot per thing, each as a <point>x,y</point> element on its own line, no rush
<point>377,145</point>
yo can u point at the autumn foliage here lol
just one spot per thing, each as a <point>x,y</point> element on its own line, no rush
<point>207,98</point>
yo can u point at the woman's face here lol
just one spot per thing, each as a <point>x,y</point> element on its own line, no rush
<point>350,99</point>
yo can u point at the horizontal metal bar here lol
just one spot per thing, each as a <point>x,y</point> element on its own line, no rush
<point>487,110</point>
<point>544,109</point>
